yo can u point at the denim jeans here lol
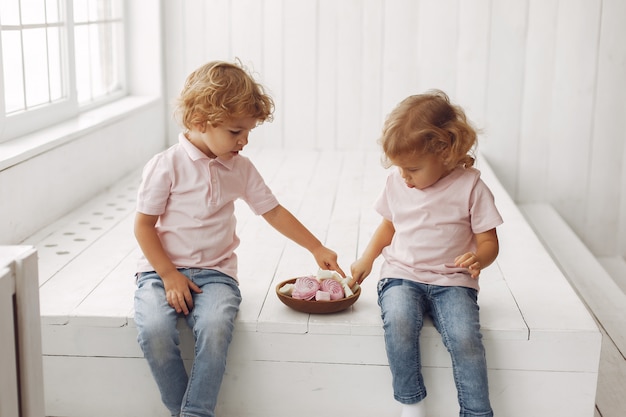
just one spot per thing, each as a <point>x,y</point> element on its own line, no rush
<point>212,321</point>
<point>454,311</point>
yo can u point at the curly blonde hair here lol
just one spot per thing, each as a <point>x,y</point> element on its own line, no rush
<point>219,91</point>
<point>429,123</point>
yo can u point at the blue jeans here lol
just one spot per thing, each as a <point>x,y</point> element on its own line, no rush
<point>454,311</point>
<point>212,321</point>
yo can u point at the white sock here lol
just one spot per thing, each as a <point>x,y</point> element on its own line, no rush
<point>414,410</point>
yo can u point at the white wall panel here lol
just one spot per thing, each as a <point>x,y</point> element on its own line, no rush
<point>372,112</point>
<point>504,88</point>
<point>609,133</point>
<point>208,27</point>
<point>399,52</point>
<point>247,32</point>
<point>536,112</point>
<point>175,71</point>
<point>273,73</point>
<point>543,78</point>
<point>437,45</point>
<point>300,94</point>
<point>349,74</point>
<point>327,70</point>
<point>473,58</point>
<point>573,103</point>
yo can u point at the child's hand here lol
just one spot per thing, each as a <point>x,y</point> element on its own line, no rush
<point>360,269</point>
<point>177,291</point>
<point>327,259</point>
<point>470,261</point>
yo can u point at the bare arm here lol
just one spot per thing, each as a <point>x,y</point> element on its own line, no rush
<point>177,286</point>
<point>286,223</point>
<point>381,238</point>
<point>487,248</point>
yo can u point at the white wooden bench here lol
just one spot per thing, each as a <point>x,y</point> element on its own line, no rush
<point>21,378</point>
<point>543,346</point>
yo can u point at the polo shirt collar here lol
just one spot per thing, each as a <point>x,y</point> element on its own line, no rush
<point>196,154</point>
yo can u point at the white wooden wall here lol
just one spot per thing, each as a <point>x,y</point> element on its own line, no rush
<point>544,79</point>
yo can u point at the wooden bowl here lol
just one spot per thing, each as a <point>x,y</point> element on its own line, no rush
<point>316,307</point>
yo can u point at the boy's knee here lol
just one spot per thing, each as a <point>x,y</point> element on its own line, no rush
<point>214,328</point>
<point>153,331</point>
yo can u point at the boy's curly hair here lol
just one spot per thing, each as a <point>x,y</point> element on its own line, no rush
<point>429,123</point>
<point>219,91</point>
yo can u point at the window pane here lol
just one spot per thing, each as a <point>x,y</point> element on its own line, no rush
<point>117,46</point>
<point>55,62</point>
<point>98,59</point>
<point>12,67</point>
<point>33,11</point>
<point>81,11</point>
<point>116,9</point>
<point>98,27</point>
<point>53,13</point>
<point>35,67</point>
<point>98,10</point>
<point>81,49</point>
<point>98,54</point>
<point>9,12</point>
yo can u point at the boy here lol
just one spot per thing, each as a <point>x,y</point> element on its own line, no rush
<point>185,226</point>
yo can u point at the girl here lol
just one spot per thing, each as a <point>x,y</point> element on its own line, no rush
<point>185,226</point>
<point>437,234</point>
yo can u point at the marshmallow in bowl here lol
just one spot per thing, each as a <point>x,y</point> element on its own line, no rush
<point>322,296</point>
<point>286,289</point>
<point>326,274</point>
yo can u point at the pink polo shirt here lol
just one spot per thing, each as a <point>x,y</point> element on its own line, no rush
<point>435,225</point>
<point>194,196</point>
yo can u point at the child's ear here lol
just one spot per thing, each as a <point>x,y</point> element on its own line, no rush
<point>200,127</point>
<point>447,159</point>
<point>445,155</point>
<point>208,124</point>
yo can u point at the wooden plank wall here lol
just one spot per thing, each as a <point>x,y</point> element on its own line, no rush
<point>544,79</point>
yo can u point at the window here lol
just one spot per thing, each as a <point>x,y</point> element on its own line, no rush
<point>58,57</point>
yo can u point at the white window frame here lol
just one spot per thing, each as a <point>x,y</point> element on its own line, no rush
<point>18,124</point>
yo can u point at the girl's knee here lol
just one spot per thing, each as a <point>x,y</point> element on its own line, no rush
<point>467,350</point>
<point>464,341</point>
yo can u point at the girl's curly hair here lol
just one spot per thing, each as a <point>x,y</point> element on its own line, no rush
<point>219,91</point>
<point>429,123</point>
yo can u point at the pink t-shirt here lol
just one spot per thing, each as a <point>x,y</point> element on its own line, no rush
<point>435,225</point>
<point>194,196</point>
